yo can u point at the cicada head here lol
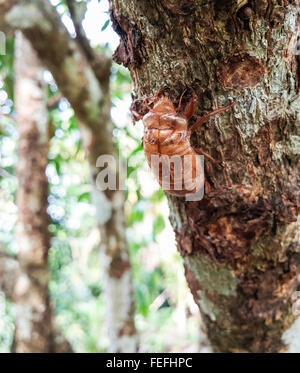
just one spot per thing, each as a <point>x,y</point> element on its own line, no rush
<point>163,106</point>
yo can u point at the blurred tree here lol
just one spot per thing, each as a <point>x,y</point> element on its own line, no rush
<point>83,78</point>
<point>240,243</point>
<point>34,330</point>
<point>31,295</point>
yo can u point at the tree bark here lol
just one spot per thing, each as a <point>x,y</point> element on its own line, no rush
<point>9,271</point>
<point>241,242</point>
<point>83,77</point>
<point>33,316</point>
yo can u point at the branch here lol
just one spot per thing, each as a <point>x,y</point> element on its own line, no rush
<point>81,81</point>
<point>95,57</point>
<point>5,6</point>
<point>80,34</point>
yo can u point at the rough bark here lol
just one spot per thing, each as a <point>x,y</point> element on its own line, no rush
<point>31,294</point>
<point>83,78</point>
<point>241,243</point>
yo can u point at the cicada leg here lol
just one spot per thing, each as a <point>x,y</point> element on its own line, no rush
<point>203,119</point>
<point>135,116</point>
<point>191,106</point>
<point>180,101</point>
<point>201,152</point>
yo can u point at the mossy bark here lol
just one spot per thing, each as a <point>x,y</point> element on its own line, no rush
<point>240,243</point>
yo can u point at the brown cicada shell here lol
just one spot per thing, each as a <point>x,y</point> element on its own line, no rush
<point>167,144</point>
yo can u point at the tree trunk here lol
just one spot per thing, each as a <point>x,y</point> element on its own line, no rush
<point>33,318</point>
<point>241,242</point>
<point>26,280</point>
<point>83,76</point>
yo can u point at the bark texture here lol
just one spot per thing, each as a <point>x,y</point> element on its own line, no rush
<point>241,243</point>
<point>9,271</point>
<point>83,77</point>
<point>33,317</point>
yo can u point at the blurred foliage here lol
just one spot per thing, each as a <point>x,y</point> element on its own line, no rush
<point>166,316</point>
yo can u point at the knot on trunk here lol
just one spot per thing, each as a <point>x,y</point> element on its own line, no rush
<point>241,71</point>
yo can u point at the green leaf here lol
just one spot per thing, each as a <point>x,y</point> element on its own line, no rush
<point>84,197</point>
<point>142,300</point>
<point>104,27</point>
<point>136,216</point>
<point>159,225</point>
<point>158,196</point>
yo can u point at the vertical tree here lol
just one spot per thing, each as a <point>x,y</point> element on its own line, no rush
<point>240,243</point>
<point>33,318</point>
<point>83,76</point>
<point>32,123</point>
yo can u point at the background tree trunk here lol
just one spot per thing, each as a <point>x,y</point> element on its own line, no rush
<point>33,317</point>
<point>83,75</point>
<point>31,278</point>
<point>241,243</point>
